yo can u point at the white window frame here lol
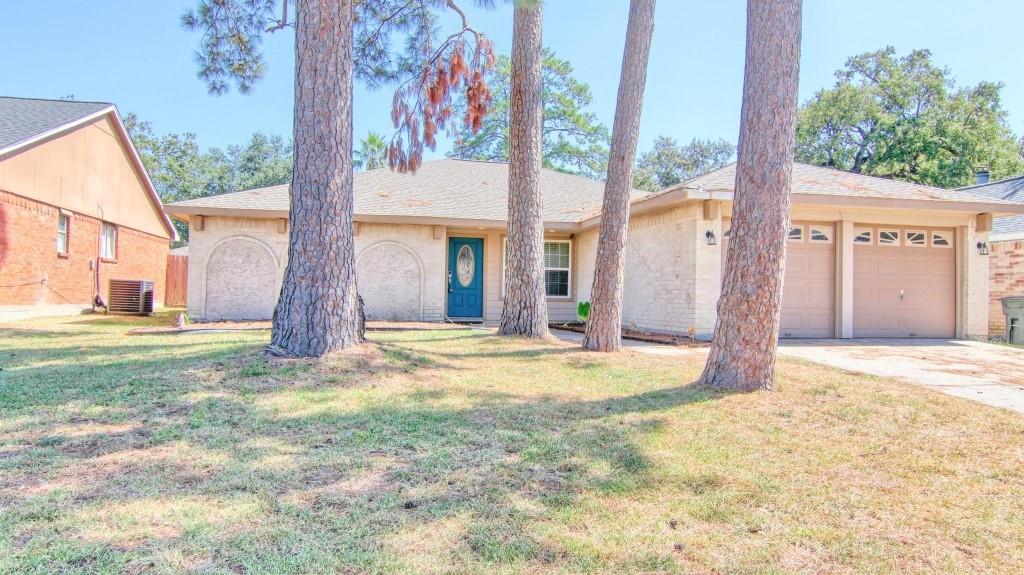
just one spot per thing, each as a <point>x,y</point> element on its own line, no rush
<point>909,244</point>
<point>504,261</point>
<point>948,236</point>
<point>106,254</point>
<point>65,219</point>
<point>899,237</point>
<point>827,231</point>
<point>803,233</point>
<point>857,232</point>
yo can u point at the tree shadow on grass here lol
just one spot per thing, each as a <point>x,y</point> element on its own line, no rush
<point>335,485</point>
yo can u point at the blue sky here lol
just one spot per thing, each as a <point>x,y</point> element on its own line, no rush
<point>134,53</point>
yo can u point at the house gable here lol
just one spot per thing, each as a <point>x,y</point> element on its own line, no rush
<point>90,169</point>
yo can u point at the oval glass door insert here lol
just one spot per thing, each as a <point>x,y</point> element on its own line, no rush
<point>466,264</point>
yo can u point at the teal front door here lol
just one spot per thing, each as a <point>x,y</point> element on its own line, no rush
<point>465,277</point>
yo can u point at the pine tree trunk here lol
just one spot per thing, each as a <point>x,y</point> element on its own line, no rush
<point>318,310</point>
<point>525,309</point>
<point>604,328</point>
<point>742,355</point>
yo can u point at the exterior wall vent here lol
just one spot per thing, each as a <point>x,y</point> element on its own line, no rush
<point>131,297</point>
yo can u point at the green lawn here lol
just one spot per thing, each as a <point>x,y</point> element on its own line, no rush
<point>461,452</point>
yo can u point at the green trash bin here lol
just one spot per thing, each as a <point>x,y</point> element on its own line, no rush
<point>1013,309</point>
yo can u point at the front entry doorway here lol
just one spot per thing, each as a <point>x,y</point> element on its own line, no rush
<point>465,277</point>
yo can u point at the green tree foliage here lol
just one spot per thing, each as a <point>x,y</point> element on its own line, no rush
<point>396,42</point>
<point>372,152</point>
<point>667,163</point>
<point>180,170</point>
<point>904,117</point>
<point>574,140</point>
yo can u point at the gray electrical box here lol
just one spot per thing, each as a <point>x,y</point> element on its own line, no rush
<point>1013,309</point>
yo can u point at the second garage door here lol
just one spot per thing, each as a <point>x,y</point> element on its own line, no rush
<point>904,282</point>
<point>808,293</point>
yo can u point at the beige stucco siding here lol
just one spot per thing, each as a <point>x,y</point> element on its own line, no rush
<point>87,171</point>
<point>401,270</point>
<point>672,275</point>
<point>236,266</point>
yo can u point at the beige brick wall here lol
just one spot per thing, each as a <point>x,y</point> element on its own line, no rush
<point>977,290</point>
<point>236,266</point>
<point>672,277</point>
<point>1006,278</point>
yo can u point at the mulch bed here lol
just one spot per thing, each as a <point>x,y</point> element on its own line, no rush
<point>662,338</point>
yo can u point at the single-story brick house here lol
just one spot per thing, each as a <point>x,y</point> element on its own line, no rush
<point>868,256</point>
<point>1006,247</point>
<point>76,208</point>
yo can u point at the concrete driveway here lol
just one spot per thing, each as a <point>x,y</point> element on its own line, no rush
<point>985,372</point>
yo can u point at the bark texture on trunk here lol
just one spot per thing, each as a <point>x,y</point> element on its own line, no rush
<point>604,328</point>
<point>742,355</point>
<point>525,309</point>
<point>318,310</point>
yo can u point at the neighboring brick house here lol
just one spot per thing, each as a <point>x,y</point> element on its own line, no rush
<point>1006,247</point>
<point>867,257</point>
<point>76,208</point>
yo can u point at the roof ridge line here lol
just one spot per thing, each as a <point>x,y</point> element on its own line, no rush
<point>1004,180</point>
<point>30,99</point>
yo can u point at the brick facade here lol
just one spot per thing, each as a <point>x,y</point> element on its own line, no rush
<point>32,273</point>
<point>1006,278</point>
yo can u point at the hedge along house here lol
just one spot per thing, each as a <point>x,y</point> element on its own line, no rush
<point>867,256</point>
<point>76,208</point>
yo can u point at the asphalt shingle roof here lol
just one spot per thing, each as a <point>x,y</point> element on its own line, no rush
<point>24,118</point>
<point>466,189</point>
<point>817,180</point>
<point>448,188</point>
<point>1012,190</point>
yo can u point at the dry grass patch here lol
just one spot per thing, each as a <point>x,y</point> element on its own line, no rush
<point>456,451</point>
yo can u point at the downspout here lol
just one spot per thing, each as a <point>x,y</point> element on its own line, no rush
<point>97,300</point>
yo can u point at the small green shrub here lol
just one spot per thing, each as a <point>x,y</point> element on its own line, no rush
<point>583,311</point>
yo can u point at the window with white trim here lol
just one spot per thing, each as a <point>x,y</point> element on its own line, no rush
<point>108,242</point>
<point>63,225</point>
<point>820,234</point>
<point>888,237</point>
<point>942,240</point>
<point>557,267</point>
<point>863,236</point>
<point>796,234</point>
<point>916,238</point>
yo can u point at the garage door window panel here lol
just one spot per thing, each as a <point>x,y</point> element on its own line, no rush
<point>916,238</point>
<point>942,240</point>
<point>889,238</point>
<point>796,234</point>
<point>820,234</point>
<point>864,236</point>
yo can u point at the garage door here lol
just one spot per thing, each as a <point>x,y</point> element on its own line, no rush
<point>808,293</point>
<point>904,282</point>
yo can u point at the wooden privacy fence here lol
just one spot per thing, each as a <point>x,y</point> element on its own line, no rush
<point>176,286</point>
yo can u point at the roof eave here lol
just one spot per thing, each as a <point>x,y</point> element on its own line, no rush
<point>110,110</point>
<point>63,128</point>
<point>141,168</point>
<point>186,212</point>
<point>974,207</point>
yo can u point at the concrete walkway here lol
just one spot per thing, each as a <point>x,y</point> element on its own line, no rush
<point>984,372</point>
